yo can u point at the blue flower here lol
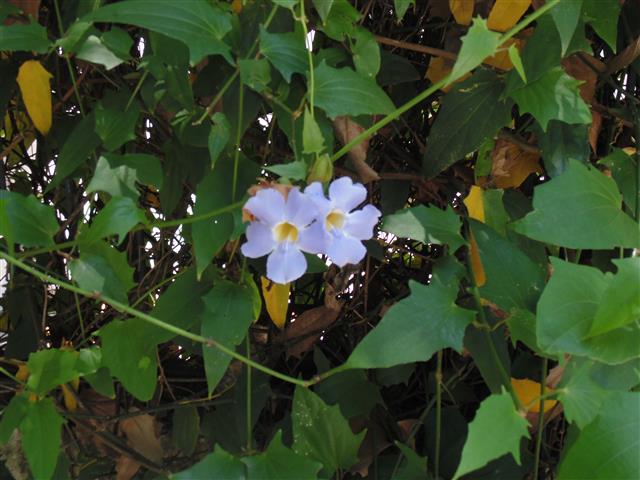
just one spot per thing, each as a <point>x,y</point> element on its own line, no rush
<point>341,228</point>
<point>281,230</point>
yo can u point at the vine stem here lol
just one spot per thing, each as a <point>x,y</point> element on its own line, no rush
<point>436,86</point>
<point>543,379</point>
<point>208,342</point>
<point>303,22</point>
<point>67,60</point>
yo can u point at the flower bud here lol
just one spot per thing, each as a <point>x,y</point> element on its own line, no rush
<point>322,170</point>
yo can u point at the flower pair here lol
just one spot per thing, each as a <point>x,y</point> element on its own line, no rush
<point>284,227</point>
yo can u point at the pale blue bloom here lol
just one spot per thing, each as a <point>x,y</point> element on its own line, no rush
<point>341,228</point>
<point>281,230</point>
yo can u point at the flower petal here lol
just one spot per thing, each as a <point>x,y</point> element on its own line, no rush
<point>313,239</point>
<point>259,241</point>
<point>267,206</point>
<point>344,249</point>
<point>345,194</point>
<point>300,209</point>
<point>360,223</point>
<point>286,264</point>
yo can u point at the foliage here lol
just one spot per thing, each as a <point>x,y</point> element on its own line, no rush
<point>492,330</point>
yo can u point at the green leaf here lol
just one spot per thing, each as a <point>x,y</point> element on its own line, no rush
<point>185,428</point>
<point>41,437</point>
<point>12,416</point>
<point>285,51</point>
<point>366,53</point>
<point>620,303</point>
<point>579,209</point>
<point>395,69</point>
<point>293,170</point>
<point>513,280</point>
<point>50,368</point>
<point>522,328</point>
<point>255,74</point>
<point>415,328</point>
<point>209,236</point>
<point>566,311</point>
<point>581,397</point>
<point>352,391</point>
<point>341,91</point>
<point>562,143</point>
<point>118,217</point>
<point>323,8</point>
<point>277,461</point>
<point>401,7</point>
<point>94,50</point>
<point>25,220</point>
<point>218,464</point>
<point>341,20</point>
<point>478,44</point>
<point>321,433</point>
<point>625,172</point>
<point>227,316</point>
<point>470,114</point>
<point>413,466</point>
<point>17,37</point>
<point>495,431</point>
<point>96,273</point>
<point>608,447</point>
<point>197,23</point>
<point>76,150</point>
<point>119,42</point>
<point>553,95</point>
<point>117,174</point>
<point>566,16</point>
<point>130,356</point>
<point>427,225</point>
<point>115,124</point>
<point>218,136</point>
<point>312,139</point>
<point>603,17</point>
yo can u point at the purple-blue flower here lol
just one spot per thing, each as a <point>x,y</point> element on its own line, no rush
<point>341,227</point>
<point>281,230</point>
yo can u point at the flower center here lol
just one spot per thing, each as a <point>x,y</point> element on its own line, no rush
<point>335,219</point>
<point>286,232</point>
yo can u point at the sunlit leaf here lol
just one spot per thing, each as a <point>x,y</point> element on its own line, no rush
<point>33,81</point>
<point>528,391</point>
<point>505,14</point>
<point>276,299</point>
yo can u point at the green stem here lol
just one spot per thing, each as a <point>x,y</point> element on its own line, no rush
<point>236,153</point>
<point>136,89</point>
<point>438,413</point>
<point>436,86</point>
<point>207,342</point>
<point>303,22</point>
<point>217,98</point>
<point>543,379</point>
<point>248,412</point>
<point>67,60</point>
<point>4,371</point>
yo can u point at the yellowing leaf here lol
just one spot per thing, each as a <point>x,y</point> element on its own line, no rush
<point>506,13</point>
<point>23,372</point>
<point>528,392</point>
<point>475,203</point>
<point>501,60</point>
<point>276,297</point>
<point>33,81</point>
<point>68,396</point>
<point>512,165</point>
<point>440,67</point>
<point>462,10</point>
<point>476,263</point>
<point>236,6</point>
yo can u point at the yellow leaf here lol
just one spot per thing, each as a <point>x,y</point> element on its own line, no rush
<point>68,396</point>
<point>512,165</point>
<point>236,6</point>
<point>528,392</point>
<point>33,81</point>
<point>23,372</point>
<point>276,297</point>
<point>506,13</point>
<point>462,10</point>
<point>440,67</point>
<point>501,59</point>
<point>475,203</point>
<point>476,263</point>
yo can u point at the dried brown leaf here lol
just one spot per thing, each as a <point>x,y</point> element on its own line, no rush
<point>302,334</point>
<point>584,67</point>
<point>346,130</point>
